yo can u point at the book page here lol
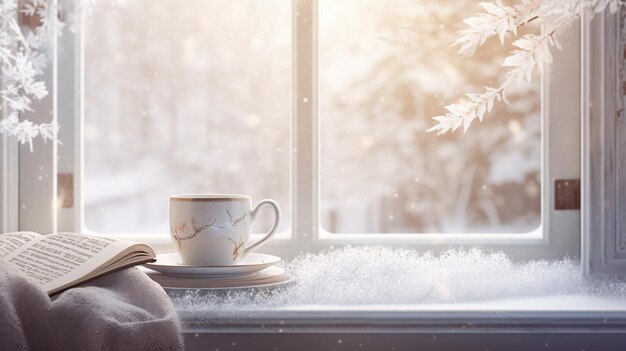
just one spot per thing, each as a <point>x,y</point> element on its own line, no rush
<point>59,259</point>
<point>11,242</point>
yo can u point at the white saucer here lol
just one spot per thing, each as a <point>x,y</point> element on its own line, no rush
<point>204,291</point>
<point>170,264</point>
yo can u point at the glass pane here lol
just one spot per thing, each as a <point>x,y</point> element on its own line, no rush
<point>386,68</point>
<point>184,97</point>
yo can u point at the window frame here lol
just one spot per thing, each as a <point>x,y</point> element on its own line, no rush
<point>603,136</point>
<point>559,233</point>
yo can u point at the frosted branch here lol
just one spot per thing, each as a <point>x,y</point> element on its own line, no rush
<point>532,50</point>
<point>25,131</point>
<point>467,110</point>
<point>21,68</point>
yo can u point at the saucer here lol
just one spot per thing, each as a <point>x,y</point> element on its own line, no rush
<point>170,264</point>
<point>267,288</point>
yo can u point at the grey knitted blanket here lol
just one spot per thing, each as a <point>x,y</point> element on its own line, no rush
<point>124,310</point>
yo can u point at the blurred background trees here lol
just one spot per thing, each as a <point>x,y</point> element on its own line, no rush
<point>196,98</point>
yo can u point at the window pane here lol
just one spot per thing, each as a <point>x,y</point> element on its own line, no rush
<point>184,97</point>
<point>386,68</point>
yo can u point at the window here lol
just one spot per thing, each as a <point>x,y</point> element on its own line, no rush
<point>190,105</point>
<point>387,67</point>
<point>328,115</point>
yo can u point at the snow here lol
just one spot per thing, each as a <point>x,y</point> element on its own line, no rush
<point>366,277</point>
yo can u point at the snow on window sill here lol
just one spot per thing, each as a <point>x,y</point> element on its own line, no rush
<point>382,287</point>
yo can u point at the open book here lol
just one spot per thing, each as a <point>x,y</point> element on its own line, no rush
<point>63,260</point>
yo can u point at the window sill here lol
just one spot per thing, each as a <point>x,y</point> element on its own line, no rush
<point>551,314</point>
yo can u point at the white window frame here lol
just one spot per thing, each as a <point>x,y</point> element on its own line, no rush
<point>559,232</point>
<point>604,137</point>
<point>28,180</point>
<point>558,236</point>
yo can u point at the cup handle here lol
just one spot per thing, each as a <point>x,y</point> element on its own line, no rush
<point>272,231</point>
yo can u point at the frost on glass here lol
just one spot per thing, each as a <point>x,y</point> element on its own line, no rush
<point>184,97</point>
<point>386,68</point>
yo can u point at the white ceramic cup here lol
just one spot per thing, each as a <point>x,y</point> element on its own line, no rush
<point>214,230</point>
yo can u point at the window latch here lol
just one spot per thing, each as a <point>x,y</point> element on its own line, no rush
<point>567,194</point>
<point>65,190</point>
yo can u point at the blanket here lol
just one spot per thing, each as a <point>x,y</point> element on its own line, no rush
<point>124,310</point>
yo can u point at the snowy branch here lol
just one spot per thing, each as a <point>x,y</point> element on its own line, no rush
<point>467,110</point>
<point>25,131</point>
<point>533,50</point>
<point>23,59</point>
<point>497,20</point>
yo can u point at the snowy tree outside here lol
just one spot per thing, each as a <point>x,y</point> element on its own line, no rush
<point>180,100</point>
<point>387,67</point>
